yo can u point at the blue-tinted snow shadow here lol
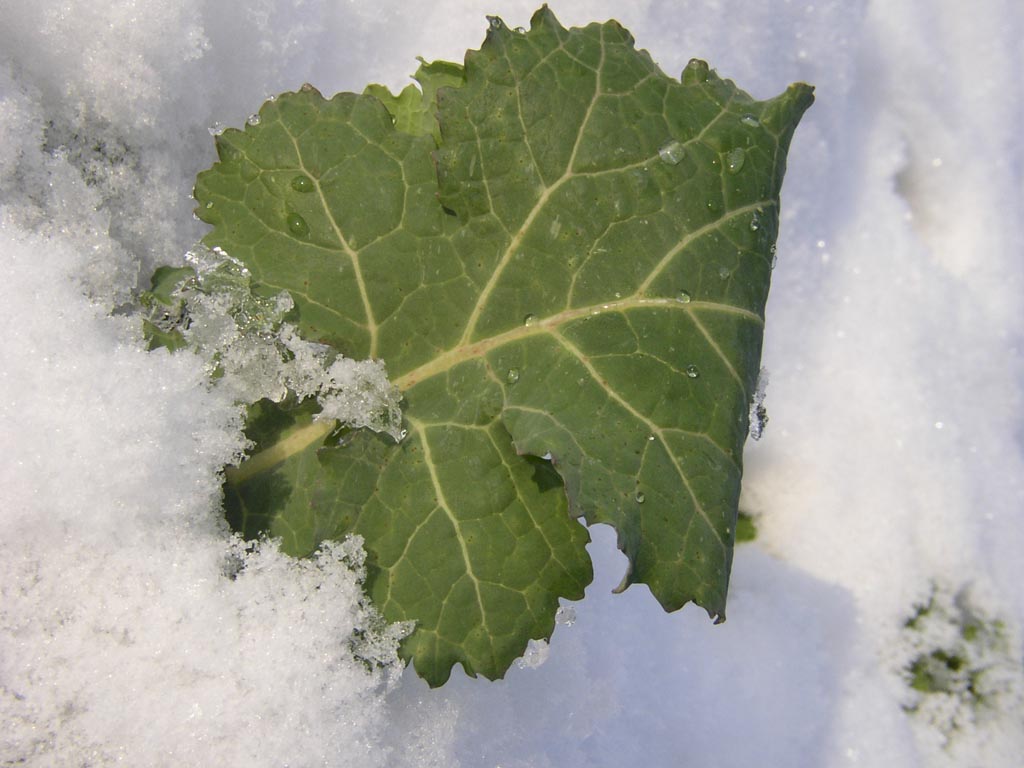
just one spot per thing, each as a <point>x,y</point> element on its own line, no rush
<point>629,684</point>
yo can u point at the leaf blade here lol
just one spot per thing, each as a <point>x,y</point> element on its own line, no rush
<point>597,297</point>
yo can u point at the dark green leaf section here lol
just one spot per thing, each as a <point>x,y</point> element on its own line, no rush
<point>573,262</point>
<point>468,538</point>
<point>472,540</point>
<point>277,499</point>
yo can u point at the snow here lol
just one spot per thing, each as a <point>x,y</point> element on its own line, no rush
<point>252,354</point>
<point>888,478</point>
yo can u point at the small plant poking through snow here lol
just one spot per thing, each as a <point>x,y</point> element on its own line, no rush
<point>746,527</point>
<point>961,668</point>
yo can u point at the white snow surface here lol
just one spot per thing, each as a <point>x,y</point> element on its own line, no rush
<point>890,473</point>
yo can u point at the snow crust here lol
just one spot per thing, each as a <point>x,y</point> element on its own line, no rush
<point>134,629</point>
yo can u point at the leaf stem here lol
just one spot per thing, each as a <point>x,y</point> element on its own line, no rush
<point>270,457</point>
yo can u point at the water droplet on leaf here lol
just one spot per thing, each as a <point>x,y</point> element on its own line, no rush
<point>302,183</point>
<point>512,376</point>
<point>672,152</point>
<point>297,225</point>
<point>253,119</point>
<point>639,496</point>
<point>692,371</point>
<point>750,120</point>
<point>528,320</point>
<point>683,297</point>
<point>217,129</point>
<point>696,71</point>
<point>735,159</point>
<point>755,222</point>
<point>495,23</point>
<point>724,272</point>
<point>566,616</point>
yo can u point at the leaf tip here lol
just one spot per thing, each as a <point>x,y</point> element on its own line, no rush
<point>801,94</point>
<point>310,89</point>
<point>544,16</point>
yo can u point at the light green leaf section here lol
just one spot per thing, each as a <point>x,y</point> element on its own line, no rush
<point>570,261</point>
<point>415,109</point>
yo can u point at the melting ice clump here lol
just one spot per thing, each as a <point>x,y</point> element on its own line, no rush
<point>537,652</point>
<point>758,413</point>
<point>251,351</point>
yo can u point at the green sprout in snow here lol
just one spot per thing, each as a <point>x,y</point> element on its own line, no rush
<point>961,667</point>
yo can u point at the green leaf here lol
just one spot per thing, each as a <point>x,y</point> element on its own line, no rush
<point>746,528</point>
<point>164,308</point>
<point>167,280</point>
<point>415,109</point>
<point>572,263</point>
